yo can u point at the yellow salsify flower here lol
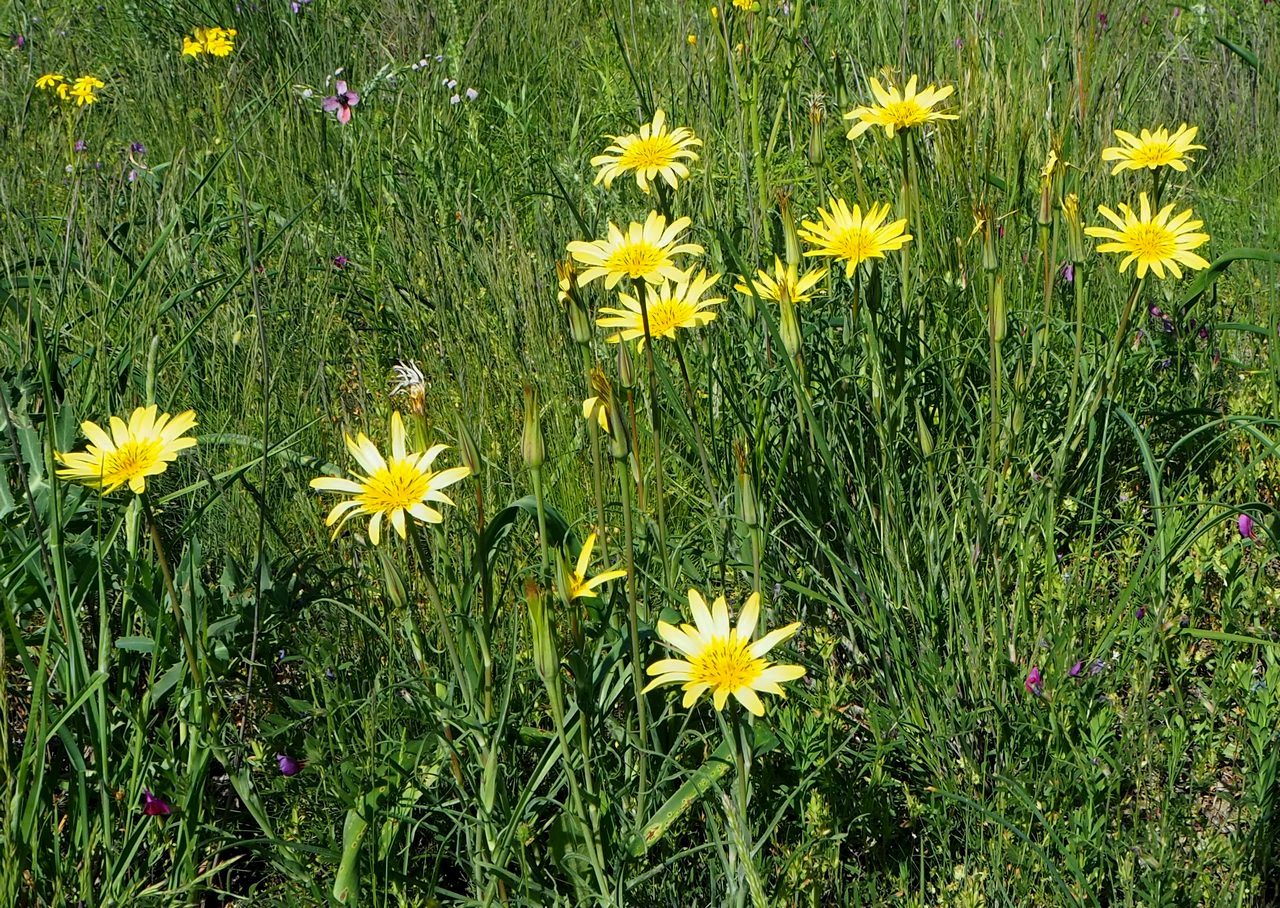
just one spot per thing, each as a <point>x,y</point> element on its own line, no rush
<point>1152,150</point>
<point>218,42</point>
<point>723,659</point>
<point>785,279</point>
<point>1154,242</point>
<point>671,306</point>
<point>84,89</point>
<point>405,483</point>
<point>899,110</point>
<point>655,151</point>
<point>142,447</point>
<point>579,585</point>
<point>597,408</point>
<point>851,237</point>
<point>50,81</point>
<point>645,252</point>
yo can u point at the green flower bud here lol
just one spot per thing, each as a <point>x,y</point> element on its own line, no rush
<point>532,447</point>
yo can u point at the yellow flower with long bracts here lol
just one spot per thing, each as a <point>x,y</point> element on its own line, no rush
<point>50,81</point>
<point>655,151</point>
<point>1152,150</point>
<point>142,447</point>
<point>84,90</point>
<point>217,42</point>
<point>898,110</point>
<point>1155,242</point>
<point>723,659</point>
<point>785,279</point>
<point>578,584</point>
<point>391,488</point>
<point>671,306</point>
<point>645,252</point>
<point>850,237</point>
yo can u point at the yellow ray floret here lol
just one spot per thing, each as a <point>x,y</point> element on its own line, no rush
<point>645,252</point>
<point>898,110</point>
<point>1152,150</point>
<point>142,447</point>
<point>579,585</point>
<point>215,41</point>
<point>391,487</point>
<point>723,659</point>
<point>671,306</point>
<point>850,237</point>
<point>1154,242</point>
<point>655,152</point>
<point>786,279</point>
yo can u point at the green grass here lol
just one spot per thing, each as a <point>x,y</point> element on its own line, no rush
<point>937,532</point>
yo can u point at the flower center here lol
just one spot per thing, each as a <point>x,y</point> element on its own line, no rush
<point>400,486</point>
<point>1154,154</point>
<point>855,245</point>
<point>636,259</point>
<point>665,316</point>
<point>1153,242</point>
<point>905,114</point>
<point>726,664</point>
<point>131,459</point>
<point>655,151</point>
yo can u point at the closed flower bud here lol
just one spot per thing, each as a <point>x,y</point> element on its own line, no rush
<point>789,326</point>
<point>467,449</point>
<point>997,321</point>
<point>990,261</point>
<point>532,447</point>
<point>1045,216</point>
<point>546,659</point>
<point>626,373</point>
<point>570,294</point>
<point>789,236</point>
<point>749,510</point>
<point>922,429</point>
<point>1075,231</point>
<point>817,113</point>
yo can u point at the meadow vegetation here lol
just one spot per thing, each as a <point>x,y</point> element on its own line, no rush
<point>871,499</point>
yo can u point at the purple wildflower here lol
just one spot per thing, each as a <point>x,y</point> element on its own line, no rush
<point>340,261</point>
<point>137,148</point>
<point>153,806</point>
<point>1034,683</point>
<point>81,146</point>
<point>472,94</point>
<point>1068,272</point>
<point>1098,667</point>
<point>341,102</point>
<point>1075,670</point>
<point>1246,527</point>
<point>288,765</point>
<point>1140,612</point>
<point>19,42</point>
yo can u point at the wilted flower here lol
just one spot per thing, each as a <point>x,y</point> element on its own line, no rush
<point>412,384</point>
<point>341,102</point>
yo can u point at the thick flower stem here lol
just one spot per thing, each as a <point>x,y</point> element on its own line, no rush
<point>697,426</point>
<point>597,470</point>
<point>633,627</point>
<point>655,421</point>
<point>174,602</point>
<point>536,474</point>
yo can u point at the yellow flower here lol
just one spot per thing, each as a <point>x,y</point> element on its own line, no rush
<point>745,5</point>
<point>218,42</point>
<point>1157,242</point>
<point>390,488</point>
<point>50,81</point>
<point>142,447</point>
<point>785,278</point>
<point>899,110</point>
<point>83,90</point>
<point>656,151</point>
<point>1152,149</point>
<point>644,252</point>
<point>1050,162</point>
<point>597,408</point>
<point>722,659</point>
<point>670,306</point>
<point>692,39</point>
<point>579,585</point>
<point>851,237</point>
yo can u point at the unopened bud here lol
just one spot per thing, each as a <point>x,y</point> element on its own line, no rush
<point>789,325</point>
<point>1075,231</point>
<point>619,439</point>
<point>532,447</point>
<point>467,448</point>
<point>990,261</point>
<point>570,294</point>
<point>817,113</point>
<point>626,373</point>
<point>749,511</point>
<point>546,659</point>
<point>998,325</point>
<point>789,236</point>
<point>922,429</point>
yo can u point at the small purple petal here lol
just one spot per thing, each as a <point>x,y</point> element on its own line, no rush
<point>153,806</point>
<point>352,99</point>
<point>288,765</point>
<point>1246,527</point>
<point>330,104</point>
<point>340,87</point>
<point>1075,670</point>
<point>344,115</point>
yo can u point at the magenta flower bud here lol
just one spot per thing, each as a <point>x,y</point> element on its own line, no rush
<point>153,806</point>
<point>1034,683</point>
<point>1245,523</point>
<point>288,765</point>
<point>1075,670</point>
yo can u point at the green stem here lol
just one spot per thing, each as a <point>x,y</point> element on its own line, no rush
<point>697,425</point>
<point>633,627</point>
<point>655,421</point>
<point>597,470</point>
<point>174,602</point>
<point>536,473</point>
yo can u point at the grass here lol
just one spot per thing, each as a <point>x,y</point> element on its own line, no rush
<point>938,478</point>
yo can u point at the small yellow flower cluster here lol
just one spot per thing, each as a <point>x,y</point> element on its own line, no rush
<point>217,42</point>
<point>81,92</point>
